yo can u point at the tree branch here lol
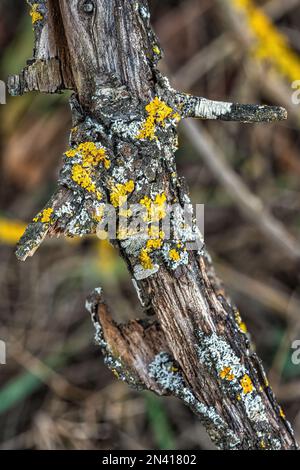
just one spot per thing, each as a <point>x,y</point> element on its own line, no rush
<point>248,113</point>
<point>122,149</point>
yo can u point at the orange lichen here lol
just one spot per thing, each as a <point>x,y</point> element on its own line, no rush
<point>227,374</point>
<point>246,384</point>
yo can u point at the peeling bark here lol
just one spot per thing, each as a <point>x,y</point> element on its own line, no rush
<point>122,145</point>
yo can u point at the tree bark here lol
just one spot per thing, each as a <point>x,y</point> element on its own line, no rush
<point>195,345</point>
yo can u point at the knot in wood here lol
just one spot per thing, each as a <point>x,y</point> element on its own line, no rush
<point>88,7</point>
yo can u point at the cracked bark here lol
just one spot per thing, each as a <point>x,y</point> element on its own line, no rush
<point>194,346</point>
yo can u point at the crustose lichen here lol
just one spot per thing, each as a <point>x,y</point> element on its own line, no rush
<point>158,112</point>
<point>35,14</point>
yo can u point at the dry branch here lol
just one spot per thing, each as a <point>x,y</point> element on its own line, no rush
<point>125,118</point>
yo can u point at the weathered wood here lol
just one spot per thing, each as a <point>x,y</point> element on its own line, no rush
<point>122,146</point>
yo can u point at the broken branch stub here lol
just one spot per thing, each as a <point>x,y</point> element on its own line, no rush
<point>122,147</point>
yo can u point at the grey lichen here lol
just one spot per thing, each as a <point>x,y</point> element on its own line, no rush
<point>216,354</point>
<point>168,376</point>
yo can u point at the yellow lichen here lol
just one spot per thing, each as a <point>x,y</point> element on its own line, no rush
<point>154,244</point>
<point>44,216</point>
<point>156,210</point>
<point>160,199</point>
<point>267,384</point>
<point>158,111</point>
<point>176,116</point>
<point>281,412</point>
<point>262,444</point>
<point>156,49</point>
<point>227,374</point>
<point>82,176</point>
<point>83,172</point>
<point>246,384</point>
<point>151,245</point>
<point>120,192</point>
<point>242,325</point>
<point>145,259</point>
<point>174,255</point>
<point>91,155</point>
<point>98,216</point>
<point>35,14</point>
<point>146,201</point>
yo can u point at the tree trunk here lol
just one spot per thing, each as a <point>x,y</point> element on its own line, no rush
<point>194,344</point>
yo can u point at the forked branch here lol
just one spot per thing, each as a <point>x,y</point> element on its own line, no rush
<point>122,151</point>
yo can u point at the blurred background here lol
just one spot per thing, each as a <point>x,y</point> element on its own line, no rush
<point>55,391</point>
